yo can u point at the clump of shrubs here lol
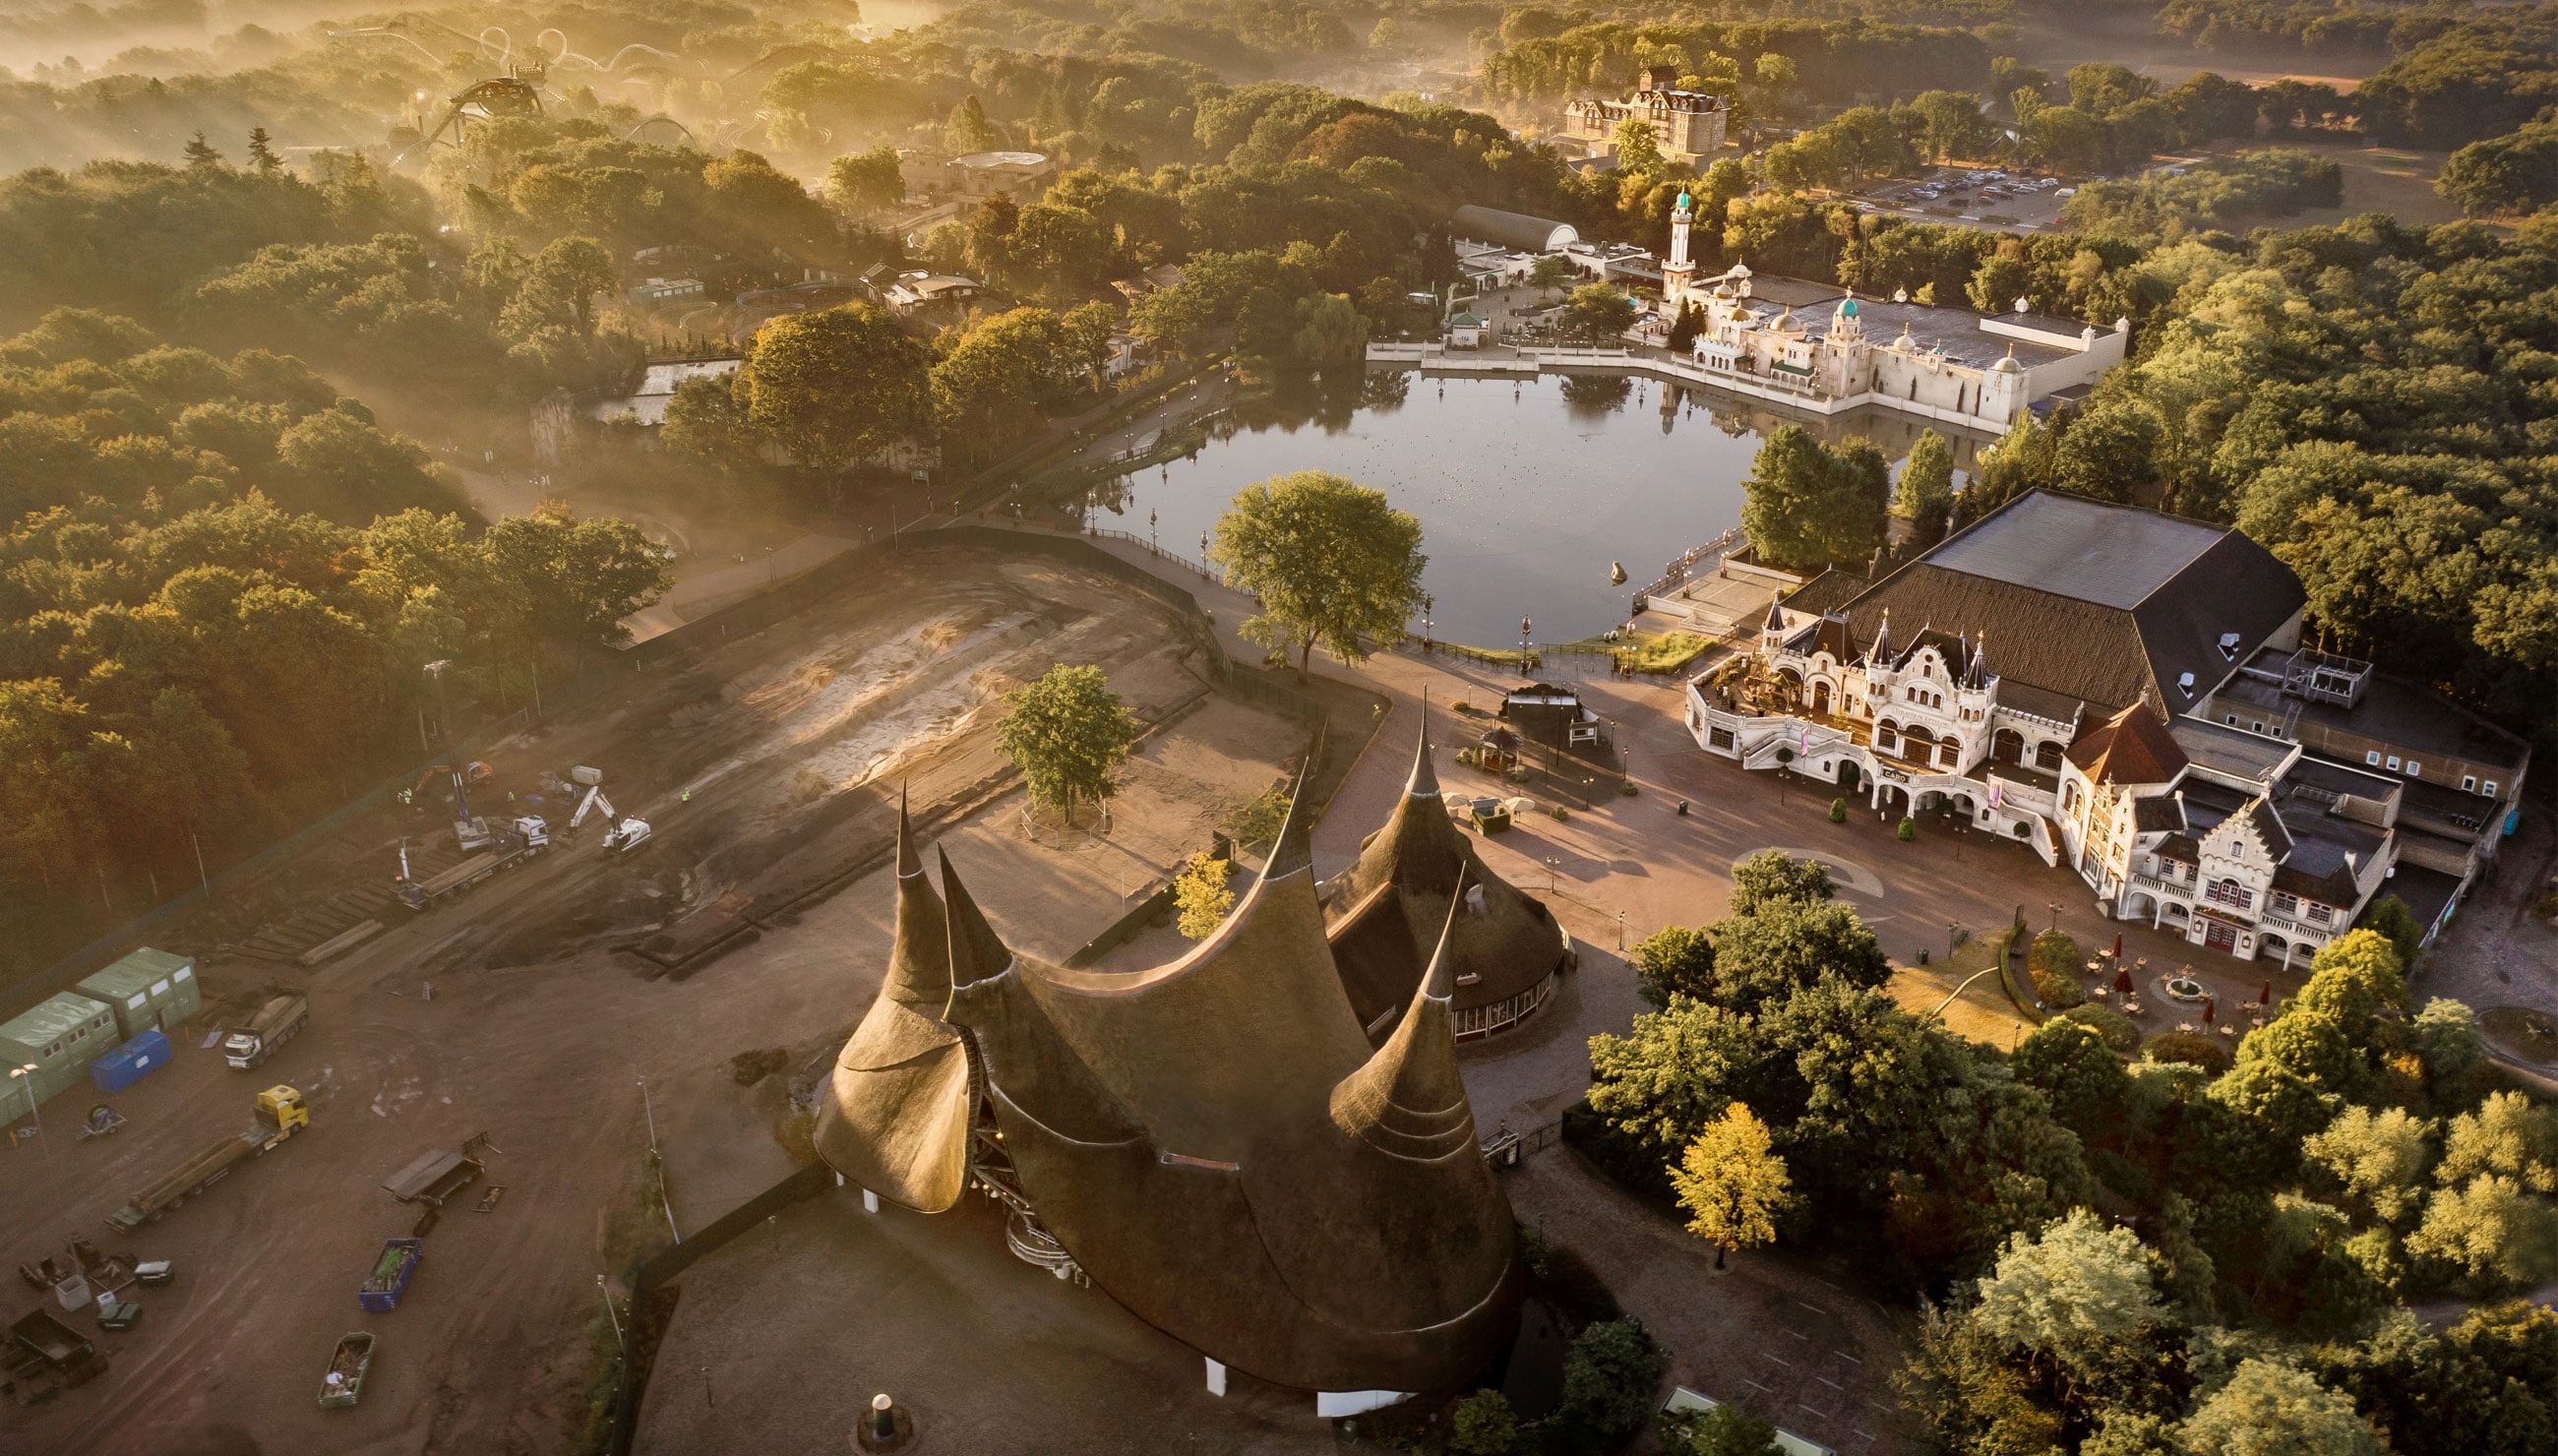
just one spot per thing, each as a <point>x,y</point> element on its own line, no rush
<point>2052,960</point>
<point>2190,1047</point>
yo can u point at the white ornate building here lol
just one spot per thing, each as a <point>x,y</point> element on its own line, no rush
<point>2052,673</point>
<point>1945,363</point>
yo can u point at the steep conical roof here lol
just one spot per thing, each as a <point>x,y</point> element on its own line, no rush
<point>1383,912</point>
<point>1424,782</point>
<point>1295,852</point>
<point>1409,1099</point>
<point>893,1117</point>
<point>976,952</point>
<point>918,963</point>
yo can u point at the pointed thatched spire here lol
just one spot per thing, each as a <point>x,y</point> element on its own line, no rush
<point>1294,852</point>
<point>1408,1100</point>
<point>909,863</point>
<point>1424,782</point>
<point>976,952</point>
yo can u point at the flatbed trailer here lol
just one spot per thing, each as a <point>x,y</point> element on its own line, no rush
<point>515,844</point>
<point>280,1115</point>
<point>433,1177</point>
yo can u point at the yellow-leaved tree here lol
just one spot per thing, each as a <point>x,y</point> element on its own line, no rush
<point>1732,1183</point>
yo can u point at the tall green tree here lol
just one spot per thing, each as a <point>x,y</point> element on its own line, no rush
<point>1925,496</point>
<point>1674,961</point>
<point>1333,563</point>
<point>864,183</point>
<point>2269,1408</point>
<point>833,388</point>
<point>1600,312</point>
<point>1067,733</point>
<point>1806,506</point>
<point>968,129</point>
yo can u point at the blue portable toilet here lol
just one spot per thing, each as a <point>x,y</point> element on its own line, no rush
<point>127,1063</point>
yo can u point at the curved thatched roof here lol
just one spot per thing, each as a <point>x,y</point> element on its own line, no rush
<point>1217,1145</point>
<point>1387,912</point>
<point>895,1116</point>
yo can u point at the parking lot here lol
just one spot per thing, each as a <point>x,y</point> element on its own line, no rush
<point>1973,197</point>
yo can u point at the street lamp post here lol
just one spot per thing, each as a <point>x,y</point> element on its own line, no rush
<point>1427,603</point>
<point>1151,543</point>
<point>27,1073</point>
<point>435,670</point>
<point>1950,928</point>
<point>609,1313</point>
<point>2054,907</point>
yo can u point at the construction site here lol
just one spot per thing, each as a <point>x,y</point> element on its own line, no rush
<point>466,1051</point>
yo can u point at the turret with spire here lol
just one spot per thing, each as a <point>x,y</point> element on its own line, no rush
<point>1383,912</point>
<point>1409,1101</point>
<point>894,1118</point>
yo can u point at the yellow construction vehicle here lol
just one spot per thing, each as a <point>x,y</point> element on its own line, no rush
<point>280,1115</point>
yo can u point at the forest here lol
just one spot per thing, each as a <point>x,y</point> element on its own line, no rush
<point>2198,1249</point>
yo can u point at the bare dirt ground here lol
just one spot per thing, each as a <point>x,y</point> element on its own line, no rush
<point>511,1013</point>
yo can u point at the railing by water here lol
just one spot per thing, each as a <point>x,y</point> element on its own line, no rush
<point>1679,572</point>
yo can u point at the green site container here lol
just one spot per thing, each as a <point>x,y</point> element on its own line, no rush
<point>148,988</point>
<point>61,1037</point>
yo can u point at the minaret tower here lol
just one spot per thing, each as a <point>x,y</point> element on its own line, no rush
<point>1676,273</point>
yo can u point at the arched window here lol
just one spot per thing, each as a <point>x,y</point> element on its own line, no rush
<point>2069,797</point>
<point>2048,757</point>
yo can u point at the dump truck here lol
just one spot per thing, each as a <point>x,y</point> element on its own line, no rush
<point>280,1115</point>
<point>274,1024</point>
<point>517,841</point>
<point>44,1357</point>
<point>381,1290</point>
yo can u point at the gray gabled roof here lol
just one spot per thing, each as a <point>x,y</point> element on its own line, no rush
<point>2095,602</point>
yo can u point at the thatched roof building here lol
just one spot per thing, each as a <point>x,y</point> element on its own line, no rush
<point>896,1115</point>
<point>1387,912</point>
<point>1213,1141</point>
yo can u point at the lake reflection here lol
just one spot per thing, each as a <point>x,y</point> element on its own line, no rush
<point>1526,490</point>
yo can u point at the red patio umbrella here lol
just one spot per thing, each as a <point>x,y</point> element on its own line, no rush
<point>2123,981</point>
<point>2118,944</point>
<point>2207,1010</point>
<point>2265,998</point>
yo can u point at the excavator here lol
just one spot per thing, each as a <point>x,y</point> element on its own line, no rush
<point>620,835</point>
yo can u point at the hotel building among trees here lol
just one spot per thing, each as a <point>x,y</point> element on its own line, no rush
<point>2128,692</point>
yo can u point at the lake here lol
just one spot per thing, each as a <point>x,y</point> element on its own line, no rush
<point>1526,490</point>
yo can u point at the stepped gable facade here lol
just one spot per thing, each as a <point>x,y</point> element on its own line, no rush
<point>1215,1143</point>
<point>2127,692</point>
<point>1388,913</point>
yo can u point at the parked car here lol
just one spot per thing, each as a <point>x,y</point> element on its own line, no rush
<point>2066,191</point>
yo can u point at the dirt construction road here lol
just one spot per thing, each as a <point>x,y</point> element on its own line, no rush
<point>512,1012</point>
